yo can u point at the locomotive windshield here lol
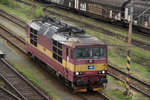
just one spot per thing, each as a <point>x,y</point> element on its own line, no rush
<point>98,52</point>
<point>95,52</point>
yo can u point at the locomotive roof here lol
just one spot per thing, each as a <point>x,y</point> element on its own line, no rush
<point>64,33</point>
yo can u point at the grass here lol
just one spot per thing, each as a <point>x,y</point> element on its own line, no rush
<point>29,75</point>
<point>105,26</point>
<point>136,51</point>
<point>114,56</point>
<point>119,61</point>
<point>39,12</point>
<point>117,93</point>
<point>19,11</point>
<point>115,81</point>
<point>1,84</point>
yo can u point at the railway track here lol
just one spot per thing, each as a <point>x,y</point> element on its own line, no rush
<point>24,24</point>
<point>93,96</point>
<point>112,70</point>
<point>135,83</point>
<point>123,54</point>
<point>95,27</point>
<point>57,6</point>
<point>13,19</point>
<point>26,90</point>
<point>101,96</point>
<point>138,43</point>
<point>5,84</point>
<point>12,38</point>
<point>102,30</point>
<point>21,23</point>
<point>6,95</point>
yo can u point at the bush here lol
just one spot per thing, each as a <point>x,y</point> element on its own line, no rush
<point>39,12</point>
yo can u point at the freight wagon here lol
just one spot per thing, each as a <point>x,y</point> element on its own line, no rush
<point>114,11</point>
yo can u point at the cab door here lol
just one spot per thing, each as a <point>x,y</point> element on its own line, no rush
<point>69,64</point>
<point>66,63</point>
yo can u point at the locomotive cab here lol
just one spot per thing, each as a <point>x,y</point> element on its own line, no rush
<point>88,61</point>
<point>90,67</point>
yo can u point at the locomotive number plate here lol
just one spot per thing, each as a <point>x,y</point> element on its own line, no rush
<point>91,67</point>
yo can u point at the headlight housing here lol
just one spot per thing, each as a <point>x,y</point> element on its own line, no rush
<point>102,72</point>
<point>78,73</point>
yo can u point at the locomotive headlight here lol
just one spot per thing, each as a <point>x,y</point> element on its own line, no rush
<point>103,72</point>
<point>99,72</point>
<point>77,73</point>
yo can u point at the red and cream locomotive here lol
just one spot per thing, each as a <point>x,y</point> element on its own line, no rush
<point>78,59</point>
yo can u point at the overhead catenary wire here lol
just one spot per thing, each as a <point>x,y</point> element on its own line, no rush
<point>142,13</point>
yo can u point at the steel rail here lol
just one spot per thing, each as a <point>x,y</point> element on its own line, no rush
<point>9,93</point>
<point>24,79</point>
<point>137,89</point>
<point>106,97</point>
<point>131,77</point>
<point>105,20</point>
<point>97,28</point>
<point>22,97</point>
<point>17,46</point>
<point>13,34</point>
<point>87,96</point>
<point>103,96</point>
<point>23,41</point>
<point>148,85</point>
<point>8,39</point>
<point>7,16</point>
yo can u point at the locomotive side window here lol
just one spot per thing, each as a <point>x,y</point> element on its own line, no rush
<point>57,51</point>
<point>33,36</point>
<point>54,43</point>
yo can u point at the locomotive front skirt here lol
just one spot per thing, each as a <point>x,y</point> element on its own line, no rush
<point>78,59</point>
